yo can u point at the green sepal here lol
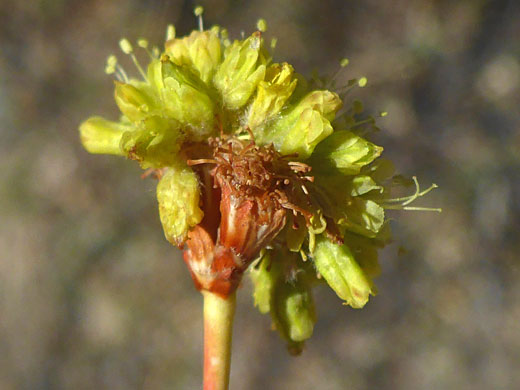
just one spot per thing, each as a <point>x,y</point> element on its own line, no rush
<point>243,68</point>
<point>183,97</point>
<point>133,100</point>
<point>361,185</point>
<point>362,216</point>
<point>101,136</point>
<point>295,235</point>
<point>345,152</point>
<point>154,144</point>
<point>351,201</point>
<point>343,274</point>
<point>178,196</point>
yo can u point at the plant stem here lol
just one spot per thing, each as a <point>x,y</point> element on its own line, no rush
<point>218,327</point>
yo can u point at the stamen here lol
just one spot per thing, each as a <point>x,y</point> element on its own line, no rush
<point>345,90</point>
<point>126,47</point>
<point>143,43</point>
<point>198,11</point>
<point>122,74</point>
<point>110,67</point>
<point>364,121</point>
<point>438,210</point>
<point>343,63</point>
<point>362,82</point>
<point>406,200</point>
<point>138,66</point>
<point>201,161</point>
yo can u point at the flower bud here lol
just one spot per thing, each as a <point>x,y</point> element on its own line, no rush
<point>272,94</point>
<point>178,197</point>
<point>341,271</point>
<point>241,71</point>
<point>345,152</point>
<point>265,277</point>
<point>293,313</point>
<point>200,50</point>
<point>305,124</point>
<point>102,136</point>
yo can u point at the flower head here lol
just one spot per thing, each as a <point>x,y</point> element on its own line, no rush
<point>256,164</point>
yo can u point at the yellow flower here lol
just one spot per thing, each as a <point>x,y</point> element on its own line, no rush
<point>255,163</point>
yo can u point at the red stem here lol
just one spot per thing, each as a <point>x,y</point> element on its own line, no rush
<point>218,327</point>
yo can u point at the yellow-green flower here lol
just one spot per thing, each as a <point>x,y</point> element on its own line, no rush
<point>256,165</point>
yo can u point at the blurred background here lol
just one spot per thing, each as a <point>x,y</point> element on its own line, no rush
<point>93,297</point>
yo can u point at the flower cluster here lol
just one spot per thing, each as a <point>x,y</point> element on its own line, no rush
<point>256,164</point>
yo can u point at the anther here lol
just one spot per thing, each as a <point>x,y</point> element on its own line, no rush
<point>126,46</point>
<point>170,32</point>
